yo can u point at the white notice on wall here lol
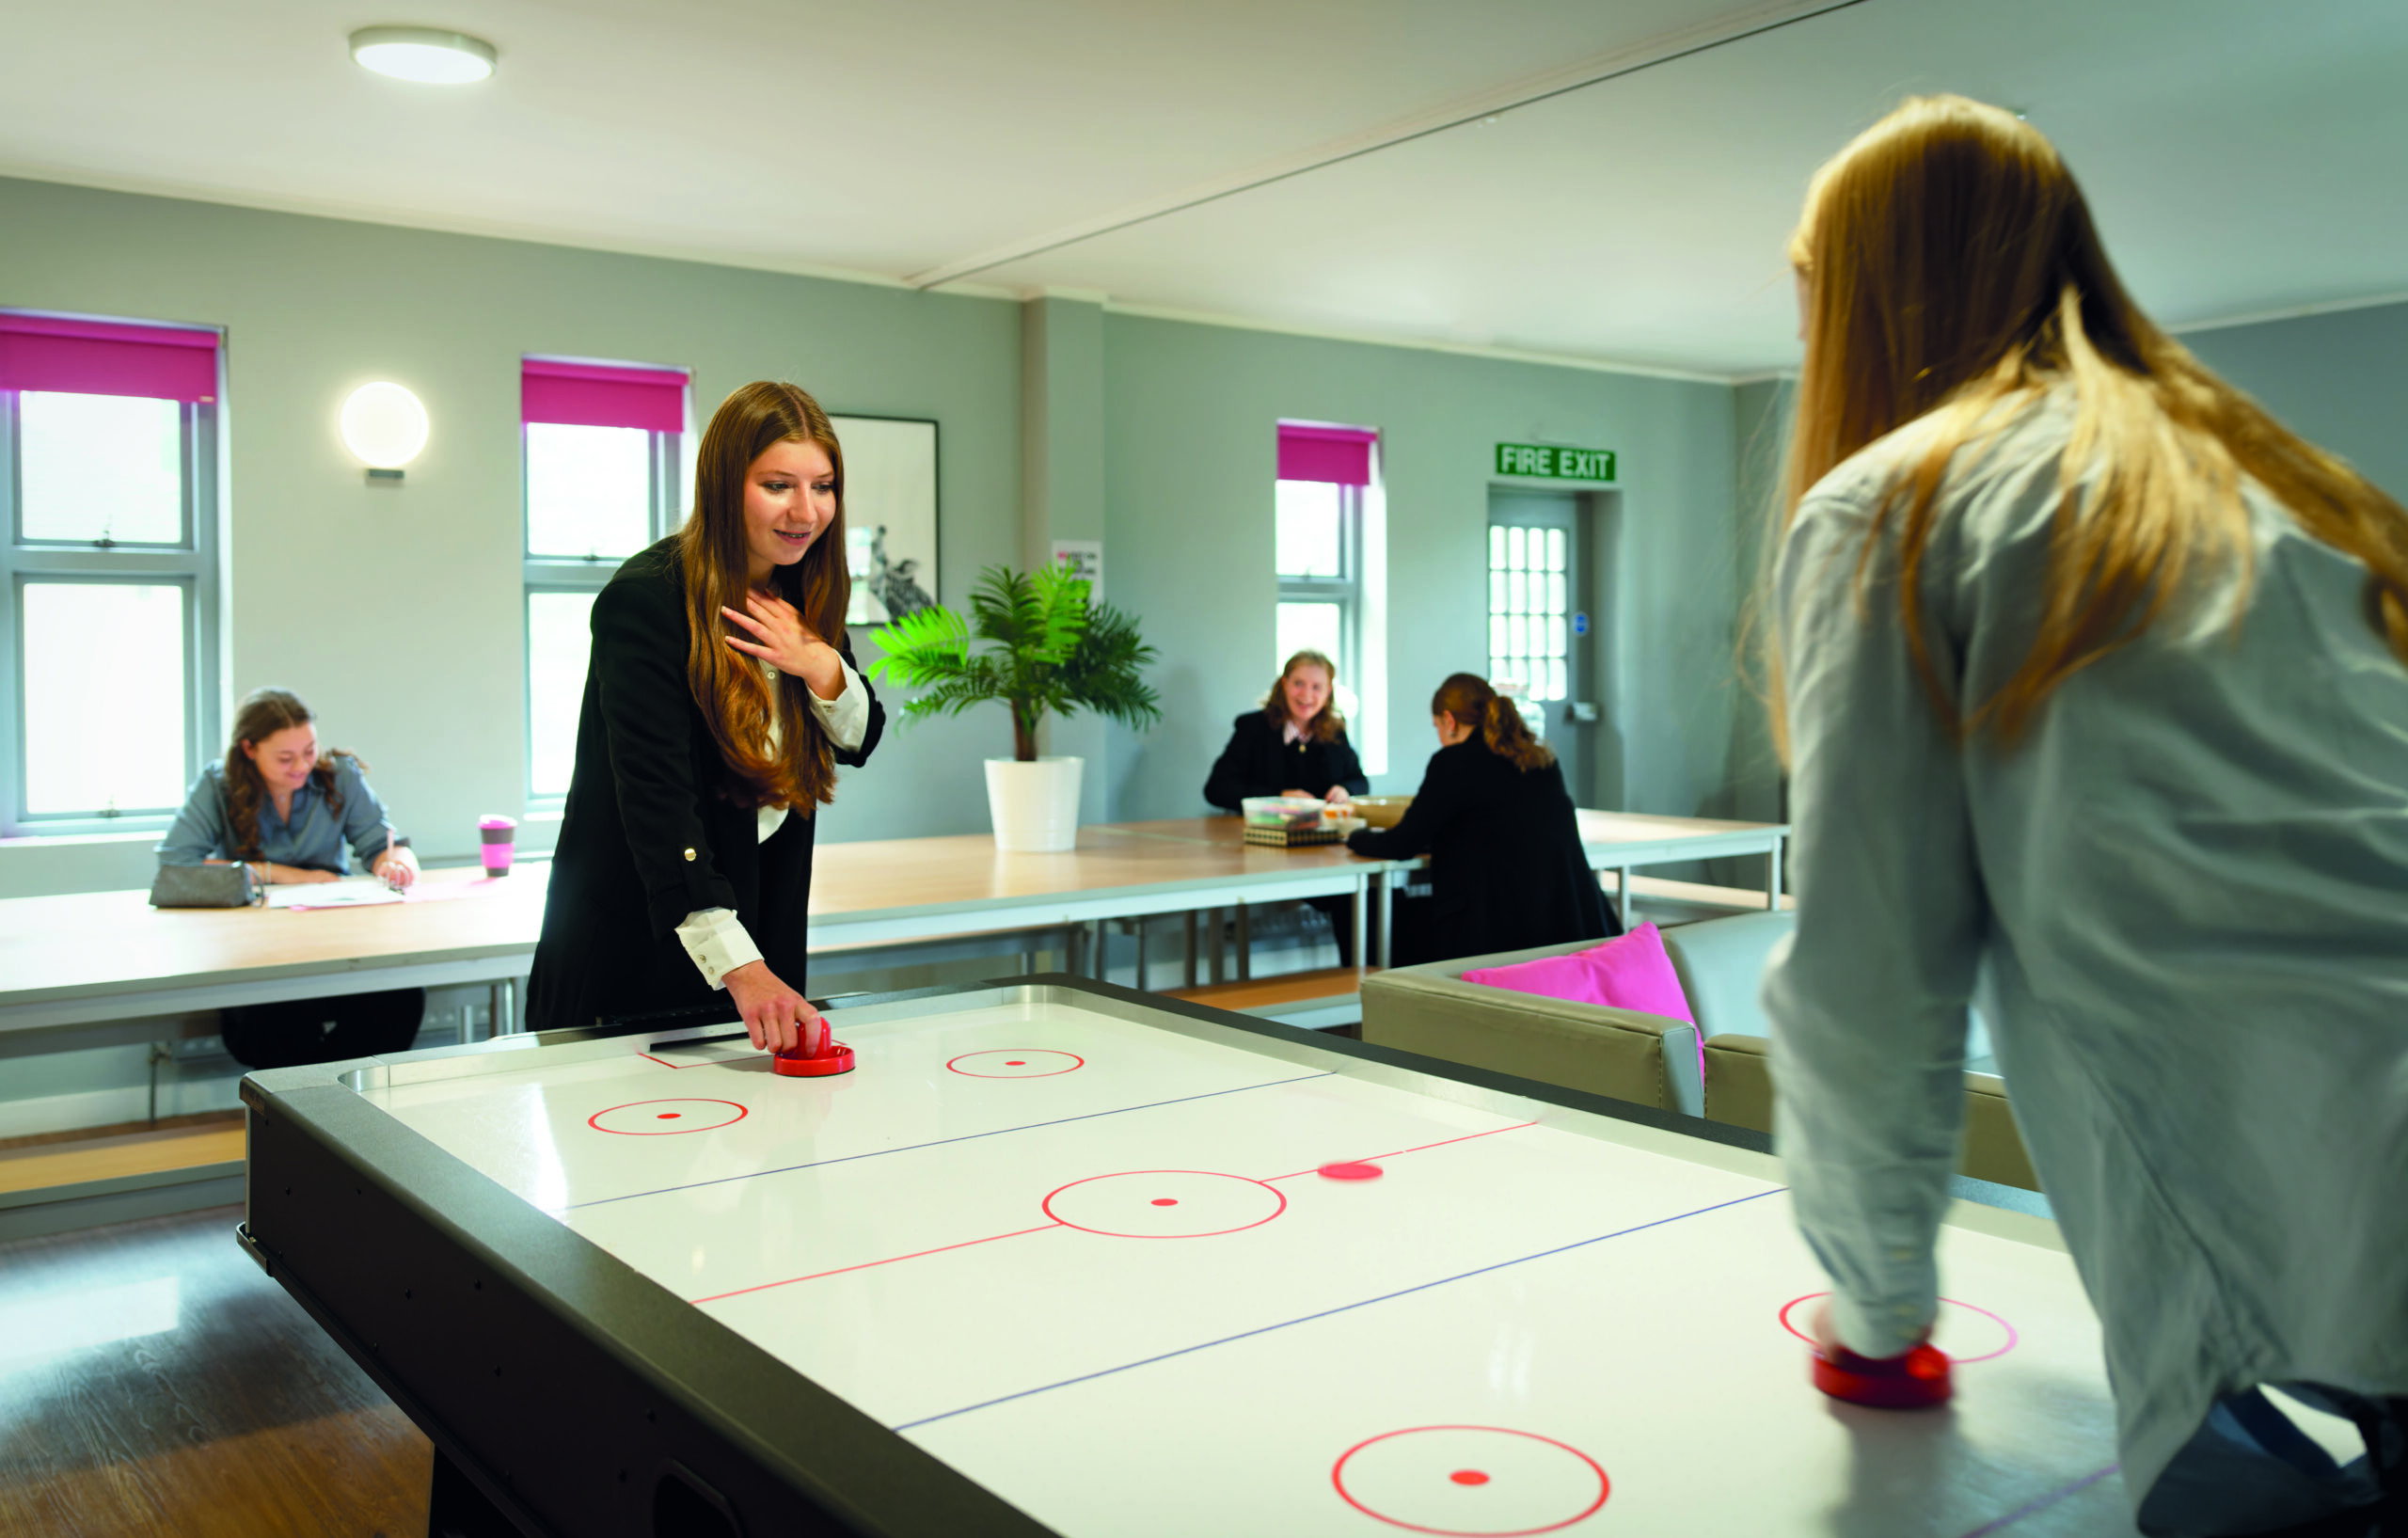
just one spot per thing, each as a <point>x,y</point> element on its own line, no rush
<point>1085,557</point>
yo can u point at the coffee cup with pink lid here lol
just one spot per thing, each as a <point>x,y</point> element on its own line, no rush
<point>498,835</point>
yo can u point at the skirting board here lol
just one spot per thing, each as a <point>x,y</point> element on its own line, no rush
<point>59,1209</point>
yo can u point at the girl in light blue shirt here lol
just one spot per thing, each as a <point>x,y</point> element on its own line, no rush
<point>280,804</point>
<point>2094,680</point>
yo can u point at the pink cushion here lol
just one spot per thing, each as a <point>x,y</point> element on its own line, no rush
<point>1570,977</point>
<point>1630,973</point>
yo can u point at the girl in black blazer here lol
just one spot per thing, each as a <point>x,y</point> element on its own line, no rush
<point>710,735</point>
<point>1295,745</point>
<point>1506,864</point>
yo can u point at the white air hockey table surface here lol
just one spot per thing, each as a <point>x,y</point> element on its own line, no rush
<point>1133,1268</point>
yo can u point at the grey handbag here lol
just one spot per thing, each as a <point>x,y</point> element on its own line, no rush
<point>205,886</point>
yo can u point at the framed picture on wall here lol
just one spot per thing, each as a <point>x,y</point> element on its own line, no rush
<point>890,515</point>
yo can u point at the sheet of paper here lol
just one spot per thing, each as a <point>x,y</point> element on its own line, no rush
<point>351,892</point>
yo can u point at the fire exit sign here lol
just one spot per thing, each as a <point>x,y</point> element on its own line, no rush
<point>1553,462</point>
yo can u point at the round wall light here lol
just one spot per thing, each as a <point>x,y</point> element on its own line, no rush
<point>386,426</point>
<point>428,54</point>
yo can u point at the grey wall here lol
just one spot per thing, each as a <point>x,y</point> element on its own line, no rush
<point>1190,463</point>
<point>397,612</point>
<point>2340,381</point>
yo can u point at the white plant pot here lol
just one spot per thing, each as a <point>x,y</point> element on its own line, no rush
<point>1034,806</point>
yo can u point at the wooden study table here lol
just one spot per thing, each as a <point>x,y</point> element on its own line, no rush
<point>891,891</point>
<point>89,959</point>
<point>93,957</point>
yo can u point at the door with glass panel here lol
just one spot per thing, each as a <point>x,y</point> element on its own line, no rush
<point>1538,622</point>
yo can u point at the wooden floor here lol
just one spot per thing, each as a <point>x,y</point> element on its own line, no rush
<point>219,1409</point>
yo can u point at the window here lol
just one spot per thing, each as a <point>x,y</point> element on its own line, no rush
<point>603,480</point>
<point>1529,633</point>
<point>1329,558</point>
<point>109,494</point>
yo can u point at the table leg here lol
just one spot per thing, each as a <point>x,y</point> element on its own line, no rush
<point>1246,944</point>
<point>1102,948</point>
<point>1388,919</point>
<point>1139,923</point>
<point>1212,933</point>
<point>1191,950</point>
<point>1772,875</point>
<point>1361,919</point>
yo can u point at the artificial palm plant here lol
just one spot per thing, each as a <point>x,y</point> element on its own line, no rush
<point>1052,650</point>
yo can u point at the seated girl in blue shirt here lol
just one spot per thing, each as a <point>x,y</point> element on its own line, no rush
<point>281,804</point>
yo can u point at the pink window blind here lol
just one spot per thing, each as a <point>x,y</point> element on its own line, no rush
<point>1339,455</point>
<point>107,358</point>
<point>602,395</point>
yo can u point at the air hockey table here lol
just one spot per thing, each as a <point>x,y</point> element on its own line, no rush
<point>1061,1258</point>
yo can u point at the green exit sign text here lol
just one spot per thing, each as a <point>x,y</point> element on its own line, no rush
<point>1553,462</point>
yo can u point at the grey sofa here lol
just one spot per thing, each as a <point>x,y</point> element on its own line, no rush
<point>1720,1068</point>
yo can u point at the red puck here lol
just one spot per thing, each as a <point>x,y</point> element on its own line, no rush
<point>1351,1170</point>
<point>838,1058</point>
<point>1915,1381</point>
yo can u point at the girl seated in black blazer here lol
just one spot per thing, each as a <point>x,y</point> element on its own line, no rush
<point>710,735</point>
<point>1506,864</point>
<point>1295,745</point>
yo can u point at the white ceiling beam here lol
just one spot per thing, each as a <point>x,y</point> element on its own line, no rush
<point>1456,114</point>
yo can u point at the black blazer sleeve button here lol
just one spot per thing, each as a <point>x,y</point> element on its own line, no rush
<point>689,854</point>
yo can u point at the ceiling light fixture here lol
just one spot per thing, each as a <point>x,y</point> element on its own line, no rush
<point>428,54</point>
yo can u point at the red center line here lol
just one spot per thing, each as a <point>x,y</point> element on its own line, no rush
<point>865,1265</point>
<point>1416,1149</point>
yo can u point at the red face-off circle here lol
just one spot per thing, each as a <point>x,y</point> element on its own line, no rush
<point>665,1117</point>
<point>1016,1063</point>
<point>1165,1204</point>
<point>1470,1482</point>
<point>1981,1334</point>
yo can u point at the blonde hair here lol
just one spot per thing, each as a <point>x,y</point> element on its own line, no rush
<point>1327,725</point>
<point>1469,698</point>
<point>1950,266</point>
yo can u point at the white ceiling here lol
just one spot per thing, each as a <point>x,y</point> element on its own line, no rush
<point>2244,157</point>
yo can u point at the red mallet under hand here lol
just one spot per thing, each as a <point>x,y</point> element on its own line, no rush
<point>816,1055</point>
<point>1916,1381</point>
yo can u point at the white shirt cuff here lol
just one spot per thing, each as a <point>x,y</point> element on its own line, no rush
<point>846,717</point>
<point>718,942</point>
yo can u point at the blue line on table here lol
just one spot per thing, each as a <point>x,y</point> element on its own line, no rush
<point>2032,1508</point>
<point>1344,1307</point>
<point>966,1137</point>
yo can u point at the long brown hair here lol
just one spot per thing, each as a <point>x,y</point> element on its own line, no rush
<point>734,696</point>
<point>263,713</point>
<point>1468,699</point>
<point>1949,264</point>
<point>1327,725</point>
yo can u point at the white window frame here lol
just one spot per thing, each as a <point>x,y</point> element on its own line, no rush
<point>1358,591</point>
<point>667,472</point>
<point>189,563</point>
